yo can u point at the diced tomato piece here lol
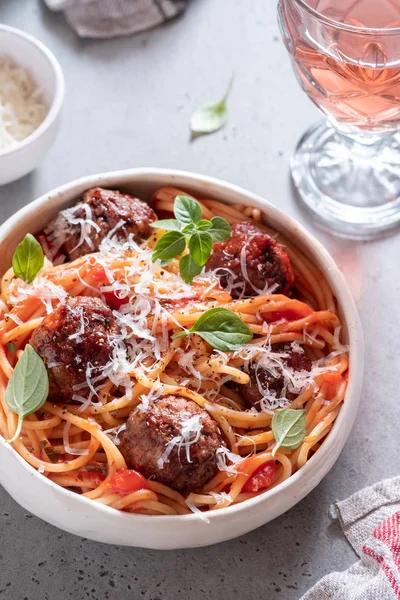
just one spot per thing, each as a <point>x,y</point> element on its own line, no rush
<point>284,315</point>
<point>262,478</point>
<point>125,481</point>
<point>98,274</point>
<point>113,301</point>
<point>331,379</point>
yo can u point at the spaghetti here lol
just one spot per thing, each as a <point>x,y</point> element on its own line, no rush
<point>77,445</point>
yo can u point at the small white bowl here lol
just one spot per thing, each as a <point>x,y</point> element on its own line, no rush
<point>28,52</point>
<point>90,519</point>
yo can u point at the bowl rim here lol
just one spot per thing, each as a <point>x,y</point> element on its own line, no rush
<point>348,412</point>
<point>59,93</point>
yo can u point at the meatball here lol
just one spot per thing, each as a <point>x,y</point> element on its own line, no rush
<point>173,441</point>
<point>74,337</point>
<point>266,262</point>
<point>269,376</point>
<point>105,209</point>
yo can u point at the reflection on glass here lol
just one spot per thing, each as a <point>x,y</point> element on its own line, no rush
<point>346,54</point>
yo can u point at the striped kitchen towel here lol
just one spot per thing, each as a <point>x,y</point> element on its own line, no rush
<point>370,520</point>
<point>110,18</point>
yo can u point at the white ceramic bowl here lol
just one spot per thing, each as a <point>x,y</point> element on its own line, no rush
<point>89,519</point>
<point>32,54</point>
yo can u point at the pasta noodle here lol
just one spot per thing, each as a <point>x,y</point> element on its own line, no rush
<point>83,438</point>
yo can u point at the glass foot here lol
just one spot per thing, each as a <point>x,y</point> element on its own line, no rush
<point>350,183</point>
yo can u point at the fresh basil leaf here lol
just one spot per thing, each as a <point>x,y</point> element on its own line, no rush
<point>211,117</point>
<point>186,210</point>
<point>28,387</point>
<point>180,334</point>
<point>222,329</point>
<point>191,228</point>
<point>28,259</point>
<point>169,246</point>
<point>11,347</point>
<point>200,246</point>
<point>189,268</point>
<point>167,224</point>
<point>165,263</point>
<point>203,225</point>
<point>220,229</point>
<point>289,428</point>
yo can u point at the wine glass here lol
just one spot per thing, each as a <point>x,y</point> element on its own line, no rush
<point>346,55</point>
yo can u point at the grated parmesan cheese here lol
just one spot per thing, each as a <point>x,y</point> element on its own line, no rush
<point>68,449</point>
<point>22,108</point>
<point>222,455</point>
<point>221,498</point>
<point>190,434</point>
<point>114,432</point>
<point>14,318</point>
<point>196,510</point>
<point>41,288</point>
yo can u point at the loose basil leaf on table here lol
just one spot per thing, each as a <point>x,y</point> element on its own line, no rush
<point>28,387</point>
<point>28,259</point>
<point>211,117</point>
<point>289,428</point>
<point>169,246</point>
<point>221,328</point>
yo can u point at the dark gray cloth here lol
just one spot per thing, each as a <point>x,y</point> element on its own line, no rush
<point>110,18</point>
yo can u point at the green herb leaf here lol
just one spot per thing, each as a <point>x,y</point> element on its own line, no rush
<point>11,347</point>
<point>186,210</point>
<point>169,246</point>
<point>28,259</point>
<point>211,117</point>
<point>222,329</point>
<point>165,263</point>
<point>167,224</point>
<point>28,387</point>
<point>220,229</point>
<point>289,428</point>
<point>200,246</point>
<point>188,229</point>
<point>189,268</point>
<point>203,225</point>
<point>52,454</point>
<point>180,334</point>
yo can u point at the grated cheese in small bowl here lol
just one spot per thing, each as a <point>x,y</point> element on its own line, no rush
<point>22,107</point>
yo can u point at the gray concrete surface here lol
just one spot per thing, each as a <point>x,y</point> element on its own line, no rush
<point>128,103</point>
